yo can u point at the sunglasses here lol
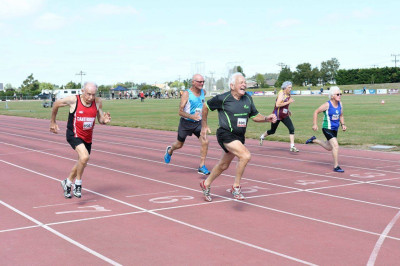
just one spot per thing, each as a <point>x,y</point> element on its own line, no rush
<point>339,94</point>
<point>199,81</point>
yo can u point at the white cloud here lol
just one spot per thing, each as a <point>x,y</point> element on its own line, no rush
<point>218,22</point>
<point>19,8</point>
<point>287,23</point>
<point>363,13</point>
<point>50,21</point>
<point>108,9</point>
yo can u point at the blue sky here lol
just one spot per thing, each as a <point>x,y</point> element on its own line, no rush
<point>158,41</point>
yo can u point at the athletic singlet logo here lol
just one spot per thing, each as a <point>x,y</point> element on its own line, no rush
<point>245,106</point>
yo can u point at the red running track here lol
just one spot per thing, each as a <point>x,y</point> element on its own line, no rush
<point>136,210</point>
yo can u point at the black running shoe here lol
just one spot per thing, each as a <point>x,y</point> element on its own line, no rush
<point>67,189</point>
<point>78,191</point>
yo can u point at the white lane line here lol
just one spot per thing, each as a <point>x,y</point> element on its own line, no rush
<point>187,188</point>
<point>90,251</point>
<point>382,238</point>
<point>253,153</point>
<point>154,213</point>
<point>61,204</point>
<point>105,132</point>
<point>257,181</point>
<point>156,193</point>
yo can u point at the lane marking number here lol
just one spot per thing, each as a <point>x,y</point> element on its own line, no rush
<point>368,175</point>
<point>309,182</point>
<point>93,208</point>
<point>170,199</point>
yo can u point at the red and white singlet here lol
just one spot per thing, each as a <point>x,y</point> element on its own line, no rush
<point>82,120</point>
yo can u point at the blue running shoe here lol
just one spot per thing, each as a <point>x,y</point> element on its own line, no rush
<point>338,169</point>
<point>310,140</point>
<point>167,157</point>
<point>203,170</point>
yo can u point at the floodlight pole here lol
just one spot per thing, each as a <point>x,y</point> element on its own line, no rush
<point>81,73</point>
<point>395,59</point>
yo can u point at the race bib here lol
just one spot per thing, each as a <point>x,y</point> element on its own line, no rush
<point>87,125</point>
<point>241,122</point>
<point>335,117</point>
<point>285,111</point>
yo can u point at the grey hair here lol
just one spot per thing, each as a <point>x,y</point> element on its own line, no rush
<point>286,84</point>
<point>89,82</point>
<point>232,79</point>
<point>332,91</point>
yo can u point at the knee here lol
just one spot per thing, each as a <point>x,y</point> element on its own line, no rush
<point>84,159</point>
<point>223,166</point>
<point>245,157</point>
<point>178,145</point>
<point>204,141</point>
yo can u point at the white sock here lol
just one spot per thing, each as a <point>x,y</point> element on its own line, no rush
<point>68,182</point>
<point>291,145</point>
<point>262,136</point>
<point>78,182</point>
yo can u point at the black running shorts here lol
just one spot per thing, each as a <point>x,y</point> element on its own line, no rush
<point>187,128</point>
<point>73,141</point>
<point>225,136</point>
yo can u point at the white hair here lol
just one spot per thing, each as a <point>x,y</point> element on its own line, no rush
<point>232,79</point>
<point>286,84</point>
<point>333,90</point>
<point>87,83</point>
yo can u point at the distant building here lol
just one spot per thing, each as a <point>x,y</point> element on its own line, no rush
<point>271,82</point>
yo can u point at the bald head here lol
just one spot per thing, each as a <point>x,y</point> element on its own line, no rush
<point>197,81</point>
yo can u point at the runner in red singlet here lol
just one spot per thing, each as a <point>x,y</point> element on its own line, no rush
<point>83,110</point>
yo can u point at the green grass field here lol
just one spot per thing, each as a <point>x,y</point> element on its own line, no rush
<point>369,122</point>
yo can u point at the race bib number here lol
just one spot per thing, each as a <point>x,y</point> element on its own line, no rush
<point>87,125</point>
<point>242,122</point>
<point>335,117</point>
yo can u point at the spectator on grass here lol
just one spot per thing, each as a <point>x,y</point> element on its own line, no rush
<point>190,109</point>
<point>141,95</point>
<point>333,115</point>
<point>234,107</point>
<point>83,110</point>
<point>281,110</point>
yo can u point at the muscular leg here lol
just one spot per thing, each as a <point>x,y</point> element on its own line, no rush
<point>176,146</point>
<point>203,150</point>
<point>244,156</point>
<point>83,158</point>
<point>222,165</point>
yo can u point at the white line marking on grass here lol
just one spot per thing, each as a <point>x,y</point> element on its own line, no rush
<point>382,238</point>
<point>90,251</point>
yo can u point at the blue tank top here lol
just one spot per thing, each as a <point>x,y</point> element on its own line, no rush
<point>332,117</point>
<point>194,104</point>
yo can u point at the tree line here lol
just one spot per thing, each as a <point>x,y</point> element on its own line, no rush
<point>304,75</point>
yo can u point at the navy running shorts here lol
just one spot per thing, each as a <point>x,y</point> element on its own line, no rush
<point>329,133</point>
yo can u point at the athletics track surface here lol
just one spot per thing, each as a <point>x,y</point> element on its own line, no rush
<point>136,210</point>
